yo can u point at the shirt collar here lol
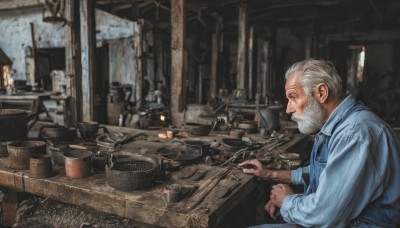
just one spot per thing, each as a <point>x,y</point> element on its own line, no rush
<point>338,114</point>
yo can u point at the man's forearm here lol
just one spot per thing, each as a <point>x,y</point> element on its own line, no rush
<point>283,176</point>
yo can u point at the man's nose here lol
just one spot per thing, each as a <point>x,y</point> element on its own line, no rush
<point>289,108</point>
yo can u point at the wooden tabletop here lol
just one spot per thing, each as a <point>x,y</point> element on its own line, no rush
<point>148,206</point>
<point>25,96</point>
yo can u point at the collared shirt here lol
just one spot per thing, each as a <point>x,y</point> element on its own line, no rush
<point>357,174</point>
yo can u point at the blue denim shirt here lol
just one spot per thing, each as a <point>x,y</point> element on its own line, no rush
<point>354,173</point>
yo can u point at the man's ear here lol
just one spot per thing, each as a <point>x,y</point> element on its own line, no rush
<point>321,92</point>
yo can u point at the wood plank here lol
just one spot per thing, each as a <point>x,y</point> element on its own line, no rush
<point>17,4</point>
<point>178,37</point>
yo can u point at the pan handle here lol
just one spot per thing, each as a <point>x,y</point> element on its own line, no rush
<point>32,118</point>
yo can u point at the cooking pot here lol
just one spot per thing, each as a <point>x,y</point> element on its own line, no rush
<point>198,129</point>
<point>130,172</point>
<point>57,132</point>
<point>89,129</point>
<point>20,152</point>
<point>15,123</point>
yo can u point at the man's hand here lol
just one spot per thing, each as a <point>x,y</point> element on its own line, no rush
<point>271,209</point>
<point>279,192</point>
<point>256,168</point>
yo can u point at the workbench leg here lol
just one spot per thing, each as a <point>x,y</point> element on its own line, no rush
<point>10,205</point>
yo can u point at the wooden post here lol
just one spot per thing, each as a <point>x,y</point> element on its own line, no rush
<point>73,60</point>
<point>241,59</point>
<point>250,85</point>
<point>88,40</point>
<point>216,43</point>
<point>12,197</point>
<point>259,61</point>
<point>214,64</point>
<point>139,64</point>
<point>178,36</point>
<point>265,68</point>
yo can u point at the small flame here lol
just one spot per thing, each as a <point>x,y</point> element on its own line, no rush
<point>162,117</point>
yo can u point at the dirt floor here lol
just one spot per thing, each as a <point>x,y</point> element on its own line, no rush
<point>44,212</point>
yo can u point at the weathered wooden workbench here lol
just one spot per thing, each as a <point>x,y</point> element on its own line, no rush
<point>148,206</point>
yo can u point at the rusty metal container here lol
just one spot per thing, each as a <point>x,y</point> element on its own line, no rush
<point>15,123</point>
<point>21,151</point>
<point>88,129</point>
<point>3,149</point>
<point>78,164</point>
<point>130,172</point>
<point>40,166</point>
<point>57,154</point>
<point>57,132</point>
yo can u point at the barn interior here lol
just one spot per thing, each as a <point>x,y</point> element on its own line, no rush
<point>174,67</point>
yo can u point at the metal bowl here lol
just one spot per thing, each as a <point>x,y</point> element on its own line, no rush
<point>198,129</point>
<point>233,145</point>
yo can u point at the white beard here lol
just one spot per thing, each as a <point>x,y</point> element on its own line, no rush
<point>313,118</point>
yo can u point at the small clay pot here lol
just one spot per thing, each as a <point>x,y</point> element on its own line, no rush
<point>78,163</point>
<point>40,166</point>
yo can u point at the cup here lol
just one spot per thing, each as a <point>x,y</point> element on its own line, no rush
<point>174,193</point>
<point>170,134</point>
<point>88,129</point>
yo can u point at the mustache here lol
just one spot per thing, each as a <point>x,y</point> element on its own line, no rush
<point>297,117</point>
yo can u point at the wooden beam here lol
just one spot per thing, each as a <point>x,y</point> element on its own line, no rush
<point>73,60</point>
<point>17,4</point>
<point>178,37</point>
<point>88,41</point>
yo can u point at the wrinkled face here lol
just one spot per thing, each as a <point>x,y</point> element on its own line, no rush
<point>305,110</point>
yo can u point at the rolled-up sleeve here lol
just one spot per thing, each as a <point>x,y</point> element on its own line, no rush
<point>297,175</point>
